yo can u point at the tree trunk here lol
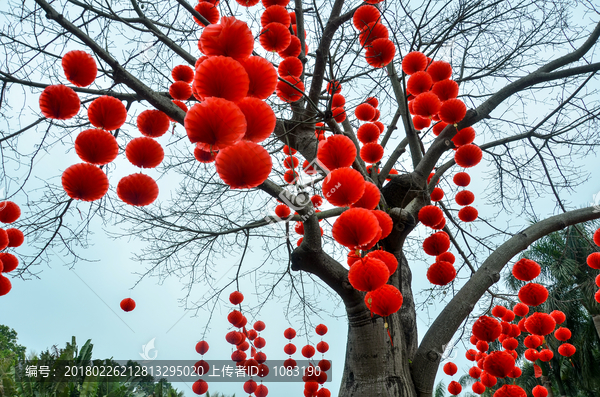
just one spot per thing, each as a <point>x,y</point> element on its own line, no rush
<point>373,367</point>
<point>548,385</point>
<point>596,319</point>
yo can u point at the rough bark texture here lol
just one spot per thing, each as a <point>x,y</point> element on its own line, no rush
<point>373,366</point>
<point>548,385</point>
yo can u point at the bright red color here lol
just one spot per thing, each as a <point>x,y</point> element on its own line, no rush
<point>468,214</point>
<point>370,197</point>
<point>275,13</point>
<point>260,119</point>
<point>308,351</point>
<point>389,259</point>
<point>566,350</point>
<point>364,15</point>
<point>244,165</point>
<point>208,11</point>
<point>430,215</point>
<point>291,89</point>
<point>9,212</point>
<point>127,304</point>
<point>368,274</point>
<point>441,273</point>
<point>153,123</point>
<point>437,194</point>
<point>262,76</point>
<point>436,244</point>
<point>275,37</point>
<point>371,153</point>
<point>454,388</point>
<point>364,112</point>
<point>487,329</point>
<point>79,67</point>
<point>426,104</point>
<point>368,133</point>
<point>230,38</point>
<point>384,301</point>
<point>439,70</point>
<point>84,182</point>
<point>385,222</point>
<point>107,113</point>
<point>468,156</point>
<point>9,262</point>
<point>144,152</point>
<point>202,347</point>
<point>526,270</point>
<point>445,89</point>
<point>450,368</point>
<point>452,111</point>
<point>293,50</point>
<point>59,102</point>
<point>371,32</point>
<point>593,260</point>
<point>216,122</point>
<point>15,236</point>
<point>183,73</point>
<point>464,137</point>
<point>96,146</point>
<point>5,285</point>
<point>222,77</point>
<point>355,228</point>
<point>462,179</point>
<point>419,83</point>
<point>533,294</point>
<point>290,66</point>
<point>200,386</point>
<point>380,52</point>
<point>414,62</point>
<point>180,90</point>
<point>499,364</point>
<point>337,151</point>
<point>343,186</point>
<point>539,391</point>
<point>521,309</point>
<point>540,324</point>
<point>137,189</point>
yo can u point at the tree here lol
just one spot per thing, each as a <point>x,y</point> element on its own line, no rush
<point>526,72</point>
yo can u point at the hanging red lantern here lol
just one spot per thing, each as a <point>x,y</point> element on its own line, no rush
<point>566,350</point>
<point>59,102</point>
<point>499,364</point>
<point>364,15</point>
<point>180,90</point>
<point>216,122</point>
<point>385,222</point>
<point>430,215</point>
<point>9,212</point>
<point>230,38</point>
<point>526,270</point>
<point>127,304</point>
<point>454,388</point>
<point>464,137</point>
<point>293,50</point>
<point>79,67</point>
<point>339,114</point>
<point>450,368</point>
<point>445,89</point>
<point>510,391</point>
<point>208,11</point>
<point>540,324</point>
<point>290,66</point>
<point>84,182</point>
<point>260,119</point>
<point>202,347</point>
<point>222,77</point>
<point>539,391</point>
<point>289,333</point>
<point>533,294</point>
<point>439,70</point>
<point>334,87</point>
<point>5,285</point>
<point>337,151</point>
<point>436,244</point>
<point>137,190</point>
<point>244,165</point>
<point>441,273</point>
<point>452,111</point>
<point>204,156</point>
<point>96,146</point>
<point>426,104</point>
<point>200,386</point>
<point>468,214</point>
<point>368,274</point>
<point>355,228</point>
<point>446,257</point>
<point>384,301</point>
<point>370,198</point>
<point>289,349</point>
<point>487,329</point>
<point>9,262</point>
<point>461,179</point>
<point>558,316</point>
<point>183,73</point>
<point>380,52</point>
<point>275,13</point>
<point>562,334</point>
<point>372,31</point>
<point>414,62</point>
<point>262,77</point>
<point>275,37</point>
<point>343,187</point>
<point>144,152</point>
<point>290,90</point>
<point>153,123</point>
<point>593,260</point>
<point>464,197</point>
<point>367,133</point>
<point>419,83</point>
<point>282,211</point>
<point>371,153</point>
<point>107,112</point>
<point>15,236</point>
<point>364,112</point>
<point>468,156</point>
<point>532,341</point>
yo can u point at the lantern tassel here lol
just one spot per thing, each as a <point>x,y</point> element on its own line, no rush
<point>388,332</point>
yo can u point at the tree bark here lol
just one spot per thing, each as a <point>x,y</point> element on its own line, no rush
<point>548,385</point>
<point>373,367</point>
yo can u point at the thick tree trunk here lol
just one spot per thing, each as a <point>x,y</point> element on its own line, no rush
<point>373,367</point>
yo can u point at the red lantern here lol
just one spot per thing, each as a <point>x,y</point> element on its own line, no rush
<point>419,83</point>
<point>445,89</point>
<point>441,273</point>
<point>467,214</point>
<point>540,324</point>
<point>84,182</point>
<point>260,119</point>
<point>436,244</point>
<point>231,38</point>
<point>385,222</point>
<point>308,351</point>
<point>539,391</point>
<point>364,15</point>
<point>290,66</point>
<point>291,89</point>
<point>59,102</point>
<point>9,262</point>
<point>355,228</point>
<point>204,156</point>
<point>216,122</point>
<point>5,285</point>
<point>364,112</point>
<point>499,311</point>
<point>183,73</point>
<point>244,165</point>
<point>533,294</point>
<point>343,187</point>
<point>202,347</point>
<point>180,90</point>
<point>486,329</point>
<point>414,62</point>
<point>137,190</point>
<point>372,31</point>
<point>478,388</point>
<point>367,133</point>
<point>222,77</point>
<point>461,179</point>
<point>426,104</point>
<point>275,37</point>
<point>107,113</point>
<point>144,152</point>
<point>499,364</point>
<point>597,237</point>
<point>262,77</point>
<point>368,274</point>
<point>127,304</point>
<point>9,212</point>
<point>488,380</point>
<point>337,151</point>
<point>439,70</point>
<point>208,11</point>
<point>275,13</point>
<point>464,137</point>
<point>566,350</point>
<point>546,355</point>
<point>510,391</point>
<point>384,301</point>
<point>15,236</point>
<point>593,260</point>
<point>153,123</point>
<point>521,309</point>
<point>526,270</point>
<point>96,146</point>
<point>430,215</point>
<point>200,386</point>
<point>293,50</point>
<point>468,156</point>
<point>454,388</point>
<point>452,111</point>
<point>380,52</point>
<point>388,258</point>
<point>370,197</point>
<point>371,153</point>
<point>446,257</point>
<point>79,67</point>
<point>450,368</point>
<point>558,316</point>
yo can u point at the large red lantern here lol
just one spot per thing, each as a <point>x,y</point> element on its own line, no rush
<point>337,151</point>
<point>368,274</point>
<point>137,189</point>
<point>244,165</point>
<point>96,146</point>
<point>84,182</point>
<point>79,67</point>
<point>216,123</point>
<point>144,152</point>
<point>230,38</point>
<point>384,301</point>
<point>355,228</point>
<point>107,112</point>
<point>343,187</point>
<point>222,77</point>
<point>9,212</point>
<point>59,102</point>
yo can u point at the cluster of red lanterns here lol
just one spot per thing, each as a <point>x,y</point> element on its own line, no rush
<point>231,118</point>
<point>9,238</point>
<point>373,35</point>
<point>442,272</point>
<point>313,377</point>
<point>501,364</point>
<point>593,261</point>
